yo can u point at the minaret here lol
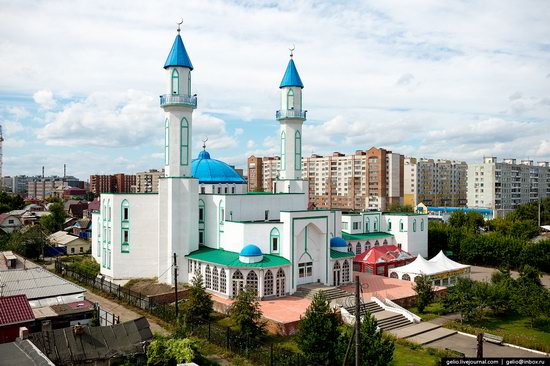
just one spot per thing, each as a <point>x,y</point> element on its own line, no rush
<point>178,191</point>
<point>291,116</point>
<point>178,104</point>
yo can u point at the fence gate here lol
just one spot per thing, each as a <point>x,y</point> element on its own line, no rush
<point>106,318</point>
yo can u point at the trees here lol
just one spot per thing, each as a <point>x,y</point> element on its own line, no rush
<point>424,292</point>
<point>317,335</point>
<point>396,207</point>
<point>198,306</point>
<point>55,220</point>
<point>247,315</point>
<point>29,242</point>
<point>10,202</point>
<point>172,351</point>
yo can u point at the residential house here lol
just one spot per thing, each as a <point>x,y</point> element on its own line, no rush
<point>74,244</point>
<point>15,312</point>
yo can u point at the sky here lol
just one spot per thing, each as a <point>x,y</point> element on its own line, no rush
<point>80,80</point>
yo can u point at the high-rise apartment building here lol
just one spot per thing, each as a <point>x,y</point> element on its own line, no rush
<point>366,180</point>
<point>117,183</point>
<point>507,184</point>
<point>44,188</point>
<point>435,182</point>
<point>148,182</point>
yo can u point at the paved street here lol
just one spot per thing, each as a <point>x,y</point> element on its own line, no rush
<point>125,314</point>
<point>484,274</point>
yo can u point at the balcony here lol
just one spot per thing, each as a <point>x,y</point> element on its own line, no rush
<point>176,100</point>
<point>290,113</point>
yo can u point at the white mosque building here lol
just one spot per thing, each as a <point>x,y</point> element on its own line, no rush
<point>203,215</point>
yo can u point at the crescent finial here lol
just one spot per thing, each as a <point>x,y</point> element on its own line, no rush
<point>292,50</point>
<point>179,24</point>
<point>204,142</point>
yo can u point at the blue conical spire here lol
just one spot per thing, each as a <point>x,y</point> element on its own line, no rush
<point>291,77</point>
<point>178,55</point>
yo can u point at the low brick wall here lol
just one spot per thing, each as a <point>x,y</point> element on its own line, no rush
<point>168,297</point>
<point>408,302</point>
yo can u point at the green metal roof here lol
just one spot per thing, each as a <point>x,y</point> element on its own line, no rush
<point>334,254</point>
<point>403,214</point>
<point>375,235</point>
<point>231,259</point>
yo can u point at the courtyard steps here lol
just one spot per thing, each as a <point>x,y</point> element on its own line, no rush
<point>387,320</point>
<point>331,293</point>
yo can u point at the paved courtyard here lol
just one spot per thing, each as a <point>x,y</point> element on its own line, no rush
<point>484,274</point>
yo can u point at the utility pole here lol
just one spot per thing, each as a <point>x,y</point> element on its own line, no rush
<point>479,345</point>
<point>357,323</point>
<point>176,283</point>
<point>539,211</point>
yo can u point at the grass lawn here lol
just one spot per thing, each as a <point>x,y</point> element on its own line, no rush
<point>514,328</point>
<point>403,356</point>
<point>431,311</point>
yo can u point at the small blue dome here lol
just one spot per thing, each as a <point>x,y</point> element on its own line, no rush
<point>213,171</point>
<point>251,250</point>
<point>338,242</point>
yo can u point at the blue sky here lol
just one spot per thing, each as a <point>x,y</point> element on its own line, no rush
<point>79,80</point>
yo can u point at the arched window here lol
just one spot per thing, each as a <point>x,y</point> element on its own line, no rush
<point>350,249</point>
<point>401,225</point>
<point>215,280</point>
<point>252,282</point>
<point>358,248</point>
<point>345,271</point>
<point>237,283</point>
<point>184,140</point>
<point>221,219</point>
<point>367,225</point>
<point>175,82</point>
<point>290,99</point>
<point>125,227</point>
<point>393,275</point>
<point>375,229</point>
<point>166,142</point>
<point>207,277</point>
<point>298,151</point>
<point>367,245</point>
<point>389,225</point>
<point>421,224</point>
<point>385,242</point>
<point>283,150</point>
<point>274,240</point>
<point>223,281</point>
<point>414,226</point>
<point>376,243</point>
<point>189,84</point>
<point>268,283</point>
<point>405,277</point>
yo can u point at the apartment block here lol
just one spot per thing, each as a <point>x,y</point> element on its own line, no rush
<point>44,188</point>
<point>366,180</point>
<point>148,182</point>
<point>435,182</point>
<point>119,183</point>
<point>507,184</point>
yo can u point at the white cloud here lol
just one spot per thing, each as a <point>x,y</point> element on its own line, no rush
<point>10,127</point>
<point>18,112</point>
<point>11,143</point>
<point>250,144</point>
<point>44,98</point>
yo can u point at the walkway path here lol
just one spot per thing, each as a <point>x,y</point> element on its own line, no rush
<point>124,313</point>
<point>484,274</point>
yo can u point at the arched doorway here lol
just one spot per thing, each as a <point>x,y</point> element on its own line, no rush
<point>280,283</point>
<point>237,282</point>
<point>305,269</point>
<point>336,274</point>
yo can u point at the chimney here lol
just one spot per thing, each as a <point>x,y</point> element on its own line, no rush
<point>78,329</point>
<point>64,171</point>
<point>23,332</point>
<point>47,326</point>
<point>42,171</point>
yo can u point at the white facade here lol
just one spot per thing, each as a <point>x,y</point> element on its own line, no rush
<point>271,241</point>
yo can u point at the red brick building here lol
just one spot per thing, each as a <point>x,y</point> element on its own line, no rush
<point>380,259</point>
<point>15,312</point>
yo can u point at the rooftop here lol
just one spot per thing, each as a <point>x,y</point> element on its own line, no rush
<point>334,254</point>
<point>362,236</point>
<point>14,310</point>
<point>231,259</point>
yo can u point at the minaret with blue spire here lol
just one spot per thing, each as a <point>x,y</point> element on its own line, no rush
<point>178,190</point>
<point>291,117</point>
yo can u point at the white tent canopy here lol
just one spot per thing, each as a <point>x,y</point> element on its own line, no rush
<point>439,267</point>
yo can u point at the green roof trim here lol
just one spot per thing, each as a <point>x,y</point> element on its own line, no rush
<point>376,235</point>
<point>231,259</point>
<point>403,214</point>
<point>334,254</point>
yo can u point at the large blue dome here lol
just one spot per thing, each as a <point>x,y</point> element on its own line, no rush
<point>213,171</point>
<point>338,242</point>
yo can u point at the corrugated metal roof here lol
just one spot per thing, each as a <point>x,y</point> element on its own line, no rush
<point>36,283</point>
<point>14,310</point>
<point>62,238</point>
<point>231,259</point>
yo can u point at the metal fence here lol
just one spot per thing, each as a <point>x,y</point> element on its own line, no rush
<point>106,318</point>
<point>258,352</point>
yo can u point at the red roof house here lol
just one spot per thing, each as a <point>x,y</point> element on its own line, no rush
<point>15,312</point>
<point>379,260</point>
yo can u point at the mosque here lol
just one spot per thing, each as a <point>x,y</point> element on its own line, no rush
<point>204,218</point>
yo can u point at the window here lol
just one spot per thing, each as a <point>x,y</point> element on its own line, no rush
<point>268,283</point>
<point>345,272</point>
<point>201,237</point>
<point>367,226</point>
<point>266,215</point>
<point>389,225</point>
<point>201,211</point>
<point>422,225</point>
<point>367,245</point>
<point>305,269</point>
<point>283,150</point>
<point>223,281</point>
<point>188,83</point>
<point>81,250</point>
<point>215,282</point>
<point>10,221</point>
<point>208,277</point>
<point>344,225</point>
<point>358,248</point>
<point>203,191</point>
<point>125,236</point>
<point>237,283</point>
<point>219,190</point>
<point>252,282</point>
<point>175,82</point>
<point>184,142</point>
<point>414,225</point>
<point>233,190</point>
<point>274,237</point>
<point>225,190</point>
<point>290,99</point>
<point>401,225</point>
<point>166,142</point>
<point>376,243</point>
<point>356,225</point>
<point>72,250</point>
<point>298,151</point>
<point>375,224</point>
<point>125,213</point>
